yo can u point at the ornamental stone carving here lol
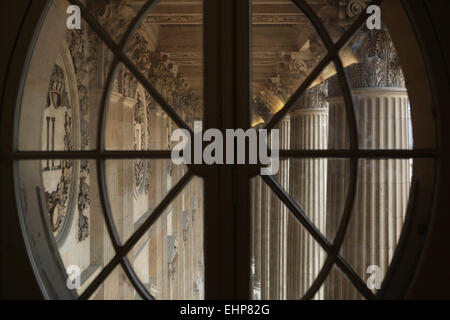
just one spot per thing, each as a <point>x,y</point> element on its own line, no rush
<point>141,167</point>
<point>315,97</point>
<point>379,64</point>
<point>84,49</point>
<point>58,114</point>
<point>84,201</point>
<point>163,75</point>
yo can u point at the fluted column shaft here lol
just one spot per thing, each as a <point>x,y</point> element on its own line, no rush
<point>383,185</point>
<point>270,218</point>
<point>337,184</point>
<point>307,186</point>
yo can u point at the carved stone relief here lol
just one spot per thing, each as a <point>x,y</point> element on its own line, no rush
<point>141,167</point>
<point>164,76</point>
<point>84,201</point>
<point>57,115</point>
<point>84,50</point>
<point>379,63</point>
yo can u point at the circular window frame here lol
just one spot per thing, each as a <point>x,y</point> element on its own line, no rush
<point>408,247</point>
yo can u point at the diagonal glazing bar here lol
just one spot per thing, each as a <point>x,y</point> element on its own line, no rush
<point>332,55</point>
<point>113,234</point>
<point>122,251</point>
<point>117,50</point>
<point>303,87</point>
<point>355,279</point>
<point>298,213</point>
<point>112,230</point>
<point>132,276</point>
<point>104,106</point>
<point>340,235</point>
<point>334,49</point>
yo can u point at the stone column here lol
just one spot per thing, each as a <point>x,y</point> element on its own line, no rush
<point>270,219</point>
<point>308,187</point>
<point>382,109</point>
<point>337,182</point>
<point>119,136</point>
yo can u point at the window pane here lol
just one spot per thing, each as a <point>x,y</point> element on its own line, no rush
<point>115,16</point>
<point>169,259</point>
<point>134,121</point>
<point>65,197</point>
<point>379,91</point>
<point>64,86</point>
<point>116,286</point>
<point>319,186</point>
<point>168,50</point>
<point>285,257</point>
<point>338,16</point>
<point>318,119</point>
<point>379,212</point>
<point>136,187</point>
<point>285,49</point>
<point>337,286</point>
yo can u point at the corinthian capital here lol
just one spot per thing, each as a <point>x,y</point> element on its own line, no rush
<point>379,65</point>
